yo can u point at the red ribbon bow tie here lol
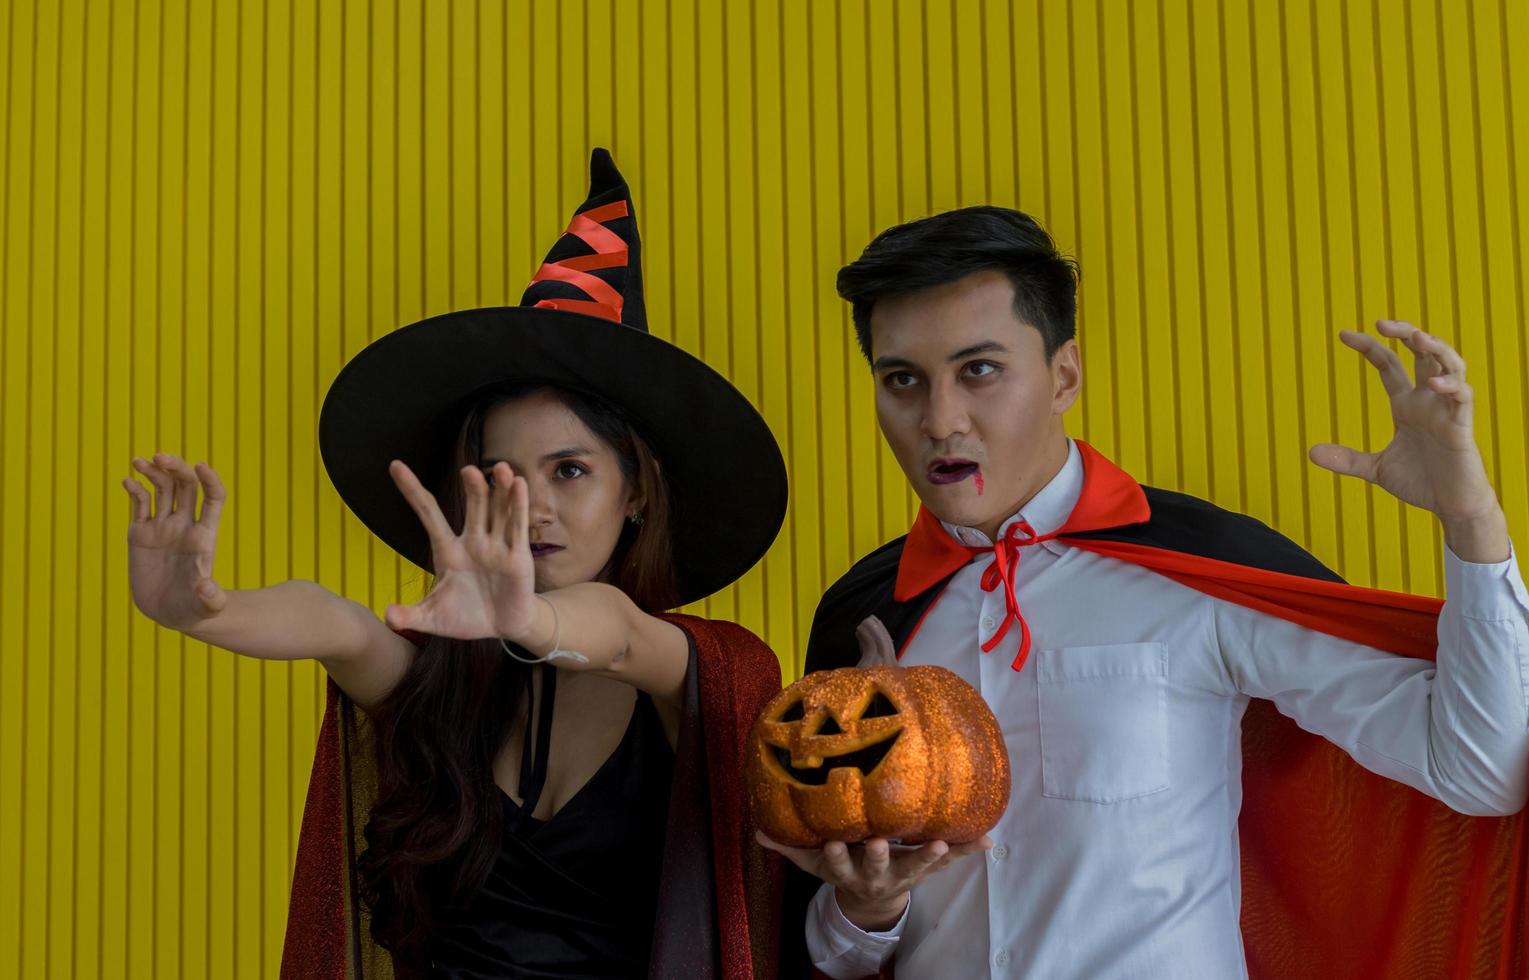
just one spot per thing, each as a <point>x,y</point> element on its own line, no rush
<point>1110,498</point>
<point>1006,556</point>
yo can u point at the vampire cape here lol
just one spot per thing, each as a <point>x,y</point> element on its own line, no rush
<point>1345,874</point>
<point>718,894</point>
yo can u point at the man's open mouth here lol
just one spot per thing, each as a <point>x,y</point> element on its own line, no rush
<point>864,760</point>
<point>952,470</point>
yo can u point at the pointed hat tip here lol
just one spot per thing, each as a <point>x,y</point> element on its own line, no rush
<point>603,175</point>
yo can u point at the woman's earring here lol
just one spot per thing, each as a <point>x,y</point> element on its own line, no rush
<point>635,517</point>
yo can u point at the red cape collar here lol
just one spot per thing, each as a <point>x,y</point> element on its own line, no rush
<point>1111,498</point>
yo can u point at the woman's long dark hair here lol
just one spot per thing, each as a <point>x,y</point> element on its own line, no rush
<point>435,827</point>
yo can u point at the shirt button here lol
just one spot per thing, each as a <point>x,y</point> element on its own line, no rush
<point>988,623</point>
<point>1001,958</point>
<point>1000,852</point>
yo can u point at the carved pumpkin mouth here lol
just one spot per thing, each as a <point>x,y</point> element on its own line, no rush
<point>863,760</point>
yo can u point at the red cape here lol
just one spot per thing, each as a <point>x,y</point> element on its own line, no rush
<point>718,897</point>
<point>1346,875</point>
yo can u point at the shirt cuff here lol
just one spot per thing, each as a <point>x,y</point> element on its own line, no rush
<point>1488,592</point>
<point>842,949</point>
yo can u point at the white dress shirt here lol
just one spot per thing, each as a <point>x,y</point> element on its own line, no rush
<point>1117,857</point>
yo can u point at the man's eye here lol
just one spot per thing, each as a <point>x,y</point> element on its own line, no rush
<point>981,369</point>
<point>899,379</point>
<point>570,471</point>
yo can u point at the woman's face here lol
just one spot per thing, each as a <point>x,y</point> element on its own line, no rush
<point>579,497</point>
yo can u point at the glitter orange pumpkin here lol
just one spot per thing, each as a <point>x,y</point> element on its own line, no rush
<point>912,754</point>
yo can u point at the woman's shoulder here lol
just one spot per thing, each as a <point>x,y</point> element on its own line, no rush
<point>730,644</point>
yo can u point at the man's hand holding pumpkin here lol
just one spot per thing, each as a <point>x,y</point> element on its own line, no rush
<point>872,880</point>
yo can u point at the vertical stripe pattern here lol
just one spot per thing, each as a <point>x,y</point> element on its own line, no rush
<point>205,208</point>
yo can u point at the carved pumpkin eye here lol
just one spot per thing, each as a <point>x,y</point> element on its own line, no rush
<point>792,713</point>
<point>880,707</point>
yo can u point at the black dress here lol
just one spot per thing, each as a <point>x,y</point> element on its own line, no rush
<point>573,896</point>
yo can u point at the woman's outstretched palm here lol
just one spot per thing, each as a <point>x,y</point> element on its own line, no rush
<point>170,548</point>
<point>485,576</point>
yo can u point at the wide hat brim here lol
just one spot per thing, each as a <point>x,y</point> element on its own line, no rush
<point>405,396</point>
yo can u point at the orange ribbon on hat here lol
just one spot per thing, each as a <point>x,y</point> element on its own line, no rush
<point>604,301</point>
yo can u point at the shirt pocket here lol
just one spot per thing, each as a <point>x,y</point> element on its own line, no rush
<point>1104,721</point>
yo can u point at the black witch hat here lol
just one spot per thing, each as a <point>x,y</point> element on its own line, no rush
<point>581,325</point>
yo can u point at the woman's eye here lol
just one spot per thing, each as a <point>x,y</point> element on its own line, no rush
<point>570,471</point>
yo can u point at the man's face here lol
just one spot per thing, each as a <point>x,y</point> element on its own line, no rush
<point>966,398</point>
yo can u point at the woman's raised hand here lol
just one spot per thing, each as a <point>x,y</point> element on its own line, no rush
<point>485,576</point>
<point>169,546</point>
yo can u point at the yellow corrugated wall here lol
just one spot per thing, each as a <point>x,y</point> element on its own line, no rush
<point>207,205</point>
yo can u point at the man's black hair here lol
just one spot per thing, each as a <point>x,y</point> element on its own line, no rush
<point>945,247</point>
